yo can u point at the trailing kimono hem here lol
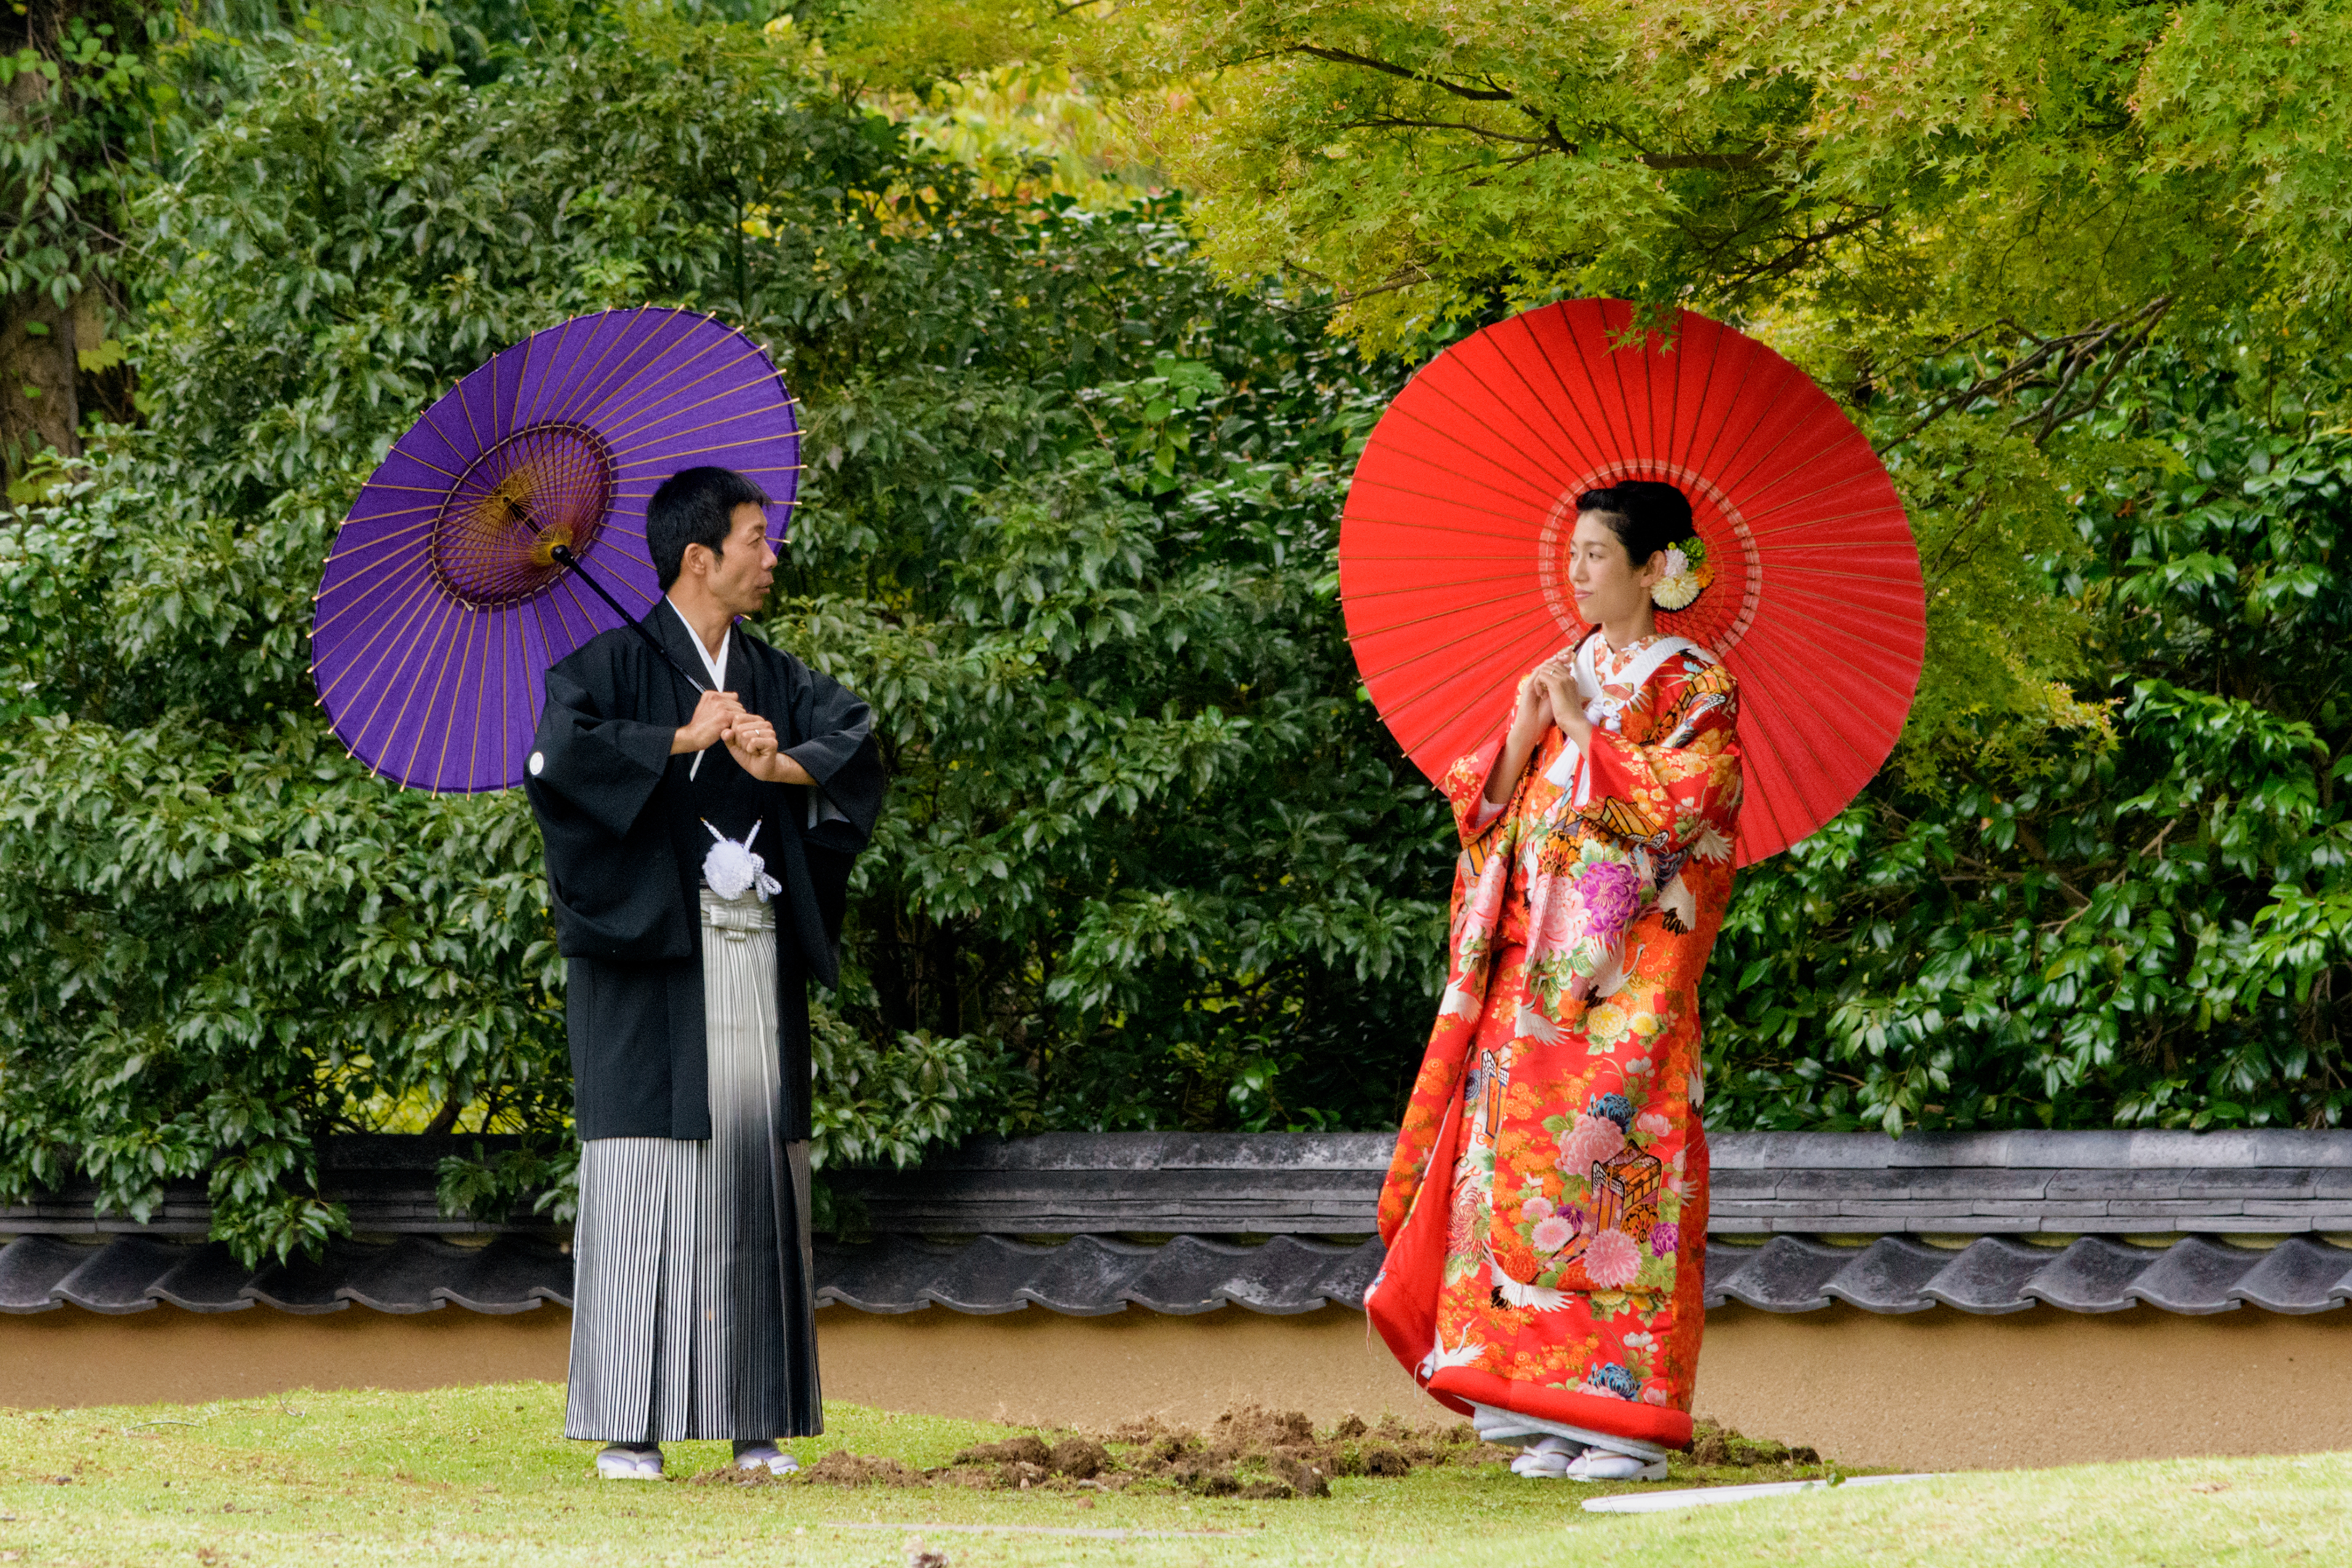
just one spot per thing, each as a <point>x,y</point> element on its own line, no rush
<point>1458,1387</point>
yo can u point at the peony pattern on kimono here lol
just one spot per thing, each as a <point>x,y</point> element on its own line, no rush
<point>1571,1240</point>
<point>1613,1260</point>
<point>1590,1141</point>
<point>1575,938</point>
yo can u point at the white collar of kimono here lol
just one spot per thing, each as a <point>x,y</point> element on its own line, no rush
<point>1571,771</point>
<point>717,667</point>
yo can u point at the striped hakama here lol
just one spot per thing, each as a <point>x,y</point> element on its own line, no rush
<point>692,1316</point>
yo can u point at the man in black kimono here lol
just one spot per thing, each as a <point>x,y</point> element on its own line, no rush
<point>699,843</point>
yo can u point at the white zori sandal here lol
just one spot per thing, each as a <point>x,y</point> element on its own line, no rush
<point>1551,1452</point>
<point>629,1462</point>
<point>1547,1459</point>
<point>1601,1465</point>
<point>757,1455</point>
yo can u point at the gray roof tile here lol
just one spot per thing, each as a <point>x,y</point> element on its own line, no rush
<point>1955,1185</point>
<point>307,1286</point>
<point>400,1277</point>
<point>115,1276</point>
<point>1888,1276</point>
<point>2297,1275</point>
<point>207,1279</point>
<point>1086,1277</point>
<point>2194,1276</point>
<point>1100,1195</point>
<point>1987,1276</point>
<point>512,1274</point>
<point>30,1268</point>
<point>2274,1182</point>
<point>2093,1275</point>
<point>985,1275</point>
<point>1784,1275</point>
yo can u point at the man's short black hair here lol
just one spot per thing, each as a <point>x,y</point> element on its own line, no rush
<point>695,506</point>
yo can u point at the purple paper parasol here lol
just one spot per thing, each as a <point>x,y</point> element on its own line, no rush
<point>447,595</point>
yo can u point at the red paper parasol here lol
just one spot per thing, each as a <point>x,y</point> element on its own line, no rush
<point>1452,552</point>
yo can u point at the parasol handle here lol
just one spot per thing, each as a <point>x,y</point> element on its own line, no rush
<point>561,554</point>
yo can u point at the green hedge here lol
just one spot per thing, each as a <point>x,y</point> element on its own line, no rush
<point>1149,859</point>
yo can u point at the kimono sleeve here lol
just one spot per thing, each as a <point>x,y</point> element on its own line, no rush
<point>840,754</point>
<point>1464,788</point>
<point>610,873</point>
<point>605,768</point>
<point>1687,783</point>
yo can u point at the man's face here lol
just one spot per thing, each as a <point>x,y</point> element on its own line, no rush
<point>746,569</point>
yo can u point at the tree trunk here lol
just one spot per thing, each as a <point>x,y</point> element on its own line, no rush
<point>38,404</point>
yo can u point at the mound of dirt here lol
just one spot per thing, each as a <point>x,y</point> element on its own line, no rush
<point>1717,1447</point>
<point>1026,1450</point>
<point>1252,1451</point>
<point>1249,1452</point>
<point>1080,1458</point>
<point>843,1468</point>
<point>1028,1461</point>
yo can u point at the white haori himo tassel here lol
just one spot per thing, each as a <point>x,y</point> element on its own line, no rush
<point>732,870</point>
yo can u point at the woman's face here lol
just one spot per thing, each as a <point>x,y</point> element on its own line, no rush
<point>1609,590</point>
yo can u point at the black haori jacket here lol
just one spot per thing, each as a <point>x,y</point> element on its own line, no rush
<point>623,823</point>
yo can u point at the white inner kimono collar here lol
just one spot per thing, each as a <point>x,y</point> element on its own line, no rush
<point>1569,771</point>
<point>716,667</point>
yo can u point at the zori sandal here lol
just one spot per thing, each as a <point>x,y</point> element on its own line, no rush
<point>1601,1465</point>
<point>764,1456</point>
<point>625,1462</point>
<point>1546,1458</point>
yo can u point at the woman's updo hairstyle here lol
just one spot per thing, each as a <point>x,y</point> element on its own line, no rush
<point>1647,516</point>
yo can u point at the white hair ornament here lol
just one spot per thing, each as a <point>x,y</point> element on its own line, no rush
<point>1688,576</point>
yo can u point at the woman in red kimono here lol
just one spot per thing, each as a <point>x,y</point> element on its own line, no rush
<point>1546,1211</point>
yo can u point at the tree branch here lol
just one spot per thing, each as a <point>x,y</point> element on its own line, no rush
<point>2073,353</point>
<point>2141,329</point>
<point>1803,246</point>
<point>1720,162</point>
<point>1404,277</point>
<point>1399,122</point>
<point>1553,139</point>
<point>1348,58</point>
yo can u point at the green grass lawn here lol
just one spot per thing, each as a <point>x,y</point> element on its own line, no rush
<point>479,1476</point>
